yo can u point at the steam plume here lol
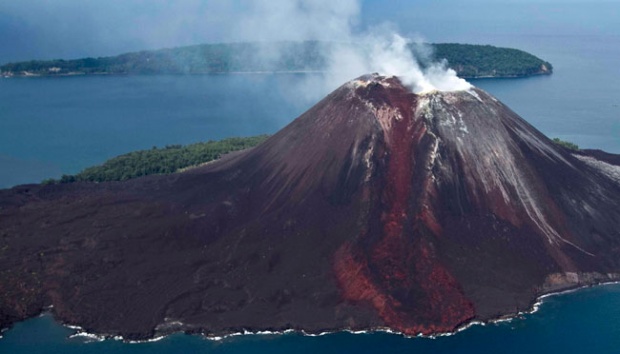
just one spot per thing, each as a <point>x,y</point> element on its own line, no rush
<point>354,52</point>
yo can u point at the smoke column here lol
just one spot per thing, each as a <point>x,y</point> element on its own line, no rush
<point>354,53</point>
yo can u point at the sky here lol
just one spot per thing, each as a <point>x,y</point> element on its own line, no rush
<point>50,29</point>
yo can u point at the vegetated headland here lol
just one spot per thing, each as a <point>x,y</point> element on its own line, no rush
<point>169,159</point>
<point>468,60</point>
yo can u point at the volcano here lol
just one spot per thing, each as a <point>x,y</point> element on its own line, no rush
<point>376,209</point>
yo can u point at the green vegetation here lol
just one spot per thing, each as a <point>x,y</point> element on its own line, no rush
<point>468,60</point>
<point>197,59</point>
<point>487,61</point>
<point>169,159</point>
<point>566,144</point>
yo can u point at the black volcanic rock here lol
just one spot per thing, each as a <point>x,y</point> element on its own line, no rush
<point>376,208</point>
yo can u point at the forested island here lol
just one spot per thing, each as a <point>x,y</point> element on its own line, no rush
<point>169,159</point>
<point>469,61</point>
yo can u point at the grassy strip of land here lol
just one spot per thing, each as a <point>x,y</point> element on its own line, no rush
<point>467,60</point>
<point>169,159</point>
<point>566,144</point>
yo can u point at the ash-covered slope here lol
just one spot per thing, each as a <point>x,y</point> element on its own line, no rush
<point>376,208</point>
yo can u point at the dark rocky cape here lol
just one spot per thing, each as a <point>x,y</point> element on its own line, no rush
<point>376,208</point>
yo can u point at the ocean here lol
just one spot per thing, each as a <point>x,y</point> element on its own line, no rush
<point>587,320</point>
<point>54,126</point>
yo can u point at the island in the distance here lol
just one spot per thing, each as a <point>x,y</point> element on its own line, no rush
<point>468,60</point>
<point>378,208</point>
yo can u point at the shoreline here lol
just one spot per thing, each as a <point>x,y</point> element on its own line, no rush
<point>534,307</point>
<point>282,72</point>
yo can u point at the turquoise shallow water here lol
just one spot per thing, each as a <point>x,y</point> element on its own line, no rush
<point>586,321</point>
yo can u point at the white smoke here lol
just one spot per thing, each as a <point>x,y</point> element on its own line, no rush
<point>355,52</point>
<point>388,53</point>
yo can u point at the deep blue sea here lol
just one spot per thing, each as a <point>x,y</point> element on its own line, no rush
<point>586,321</point>
<point>51,126</point>
<point>54,126</point>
